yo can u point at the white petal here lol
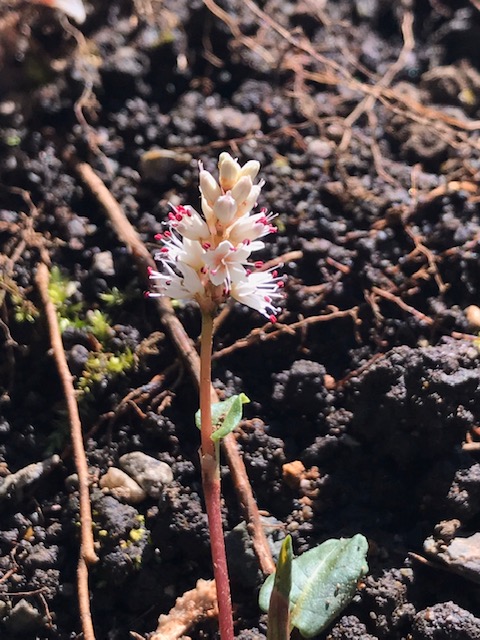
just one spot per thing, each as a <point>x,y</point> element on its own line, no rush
<point>73,8</point>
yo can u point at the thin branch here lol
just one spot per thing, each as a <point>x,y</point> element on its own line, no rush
<point>87,551</point>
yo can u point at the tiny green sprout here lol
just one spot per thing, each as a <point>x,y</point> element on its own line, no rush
<point>113,298</point>
<point>60,288</point>
<point>13,140</point>
<point>24,310</point>
<point>98,323</point>
<point>324,581</point>
<point>102,366</point>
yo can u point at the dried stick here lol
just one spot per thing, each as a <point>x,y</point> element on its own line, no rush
<point>127,234</point>
<point>87,551</point>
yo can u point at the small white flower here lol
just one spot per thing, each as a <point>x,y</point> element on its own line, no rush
<point>258,290</point>
<point>189,223</point>
<point>180,287</point>
<point>225,263</point>
<point>207,258</point>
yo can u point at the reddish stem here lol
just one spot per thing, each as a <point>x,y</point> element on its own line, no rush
<point>211,484</point>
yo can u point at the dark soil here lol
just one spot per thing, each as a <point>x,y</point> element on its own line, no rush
<point>376,392</point>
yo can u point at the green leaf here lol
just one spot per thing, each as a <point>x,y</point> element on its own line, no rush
<point>279,606</point>
<point>324,580</point>
<point>225,416</point>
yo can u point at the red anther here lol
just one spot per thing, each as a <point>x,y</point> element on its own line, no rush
<point>258,264</point>
<point>274,274</point>
<point>158,236</point>
<point>273,229</point>
<point>248,272</point>
<point>246,242</point>
<point>263,210</point>
<point>267,299</point>
<point>171,215</point>
<point>167,234</point>
<point>147,294</point>
<point>150,270</point>
<point>178,217</point>
<point>280,284</point>
<point>164,250</point>
<point>272,319</point>
<point>206,246</point>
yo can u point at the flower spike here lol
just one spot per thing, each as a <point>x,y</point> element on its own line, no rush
<point>206,256</point>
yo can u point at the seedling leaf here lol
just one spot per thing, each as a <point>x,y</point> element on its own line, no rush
<point>279,607</point>
<point>324,580</point>
<point>225,416</point>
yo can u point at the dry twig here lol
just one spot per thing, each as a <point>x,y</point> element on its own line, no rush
<point>87,551</point>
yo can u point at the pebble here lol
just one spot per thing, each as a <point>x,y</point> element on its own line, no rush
<point>77,358</point>
<point>14,484</point>
<point>103,263</point>
<point>24,618</point>
<point>233,120</point>
<point>122,486</point>
<point>159,165</point>
<point>460,554</point>
<point>151,474</point>
<point>320,148</point>
<point>472,312</point>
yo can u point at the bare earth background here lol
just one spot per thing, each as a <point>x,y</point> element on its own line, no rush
<point>365,117</point>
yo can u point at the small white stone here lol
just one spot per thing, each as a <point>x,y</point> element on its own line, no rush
<point>151,474</point>
<point>122,486</point>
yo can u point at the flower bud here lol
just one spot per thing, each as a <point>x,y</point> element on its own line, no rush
<point>251,200</point>
<point>228,171</point>
<point>250,169</point>
<point>225,209</point>
<point>241,190</point>
<point>209,187</point>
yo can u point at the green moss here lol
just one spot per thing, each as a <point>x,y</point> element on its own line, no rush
<point>102,367</point>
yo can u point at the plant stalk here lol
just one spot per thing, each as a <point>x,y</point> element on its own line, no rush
<point>210,463</point>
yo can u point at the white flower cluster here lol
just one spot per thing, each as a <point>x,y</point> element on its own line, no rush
<point>207,257</point>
